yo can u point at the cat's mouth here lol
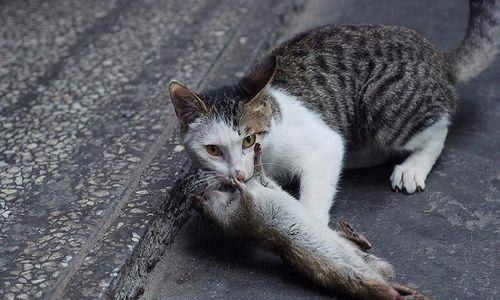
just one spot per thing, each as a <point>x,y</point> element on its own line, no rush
<point>219,181</point>
<point>228,185</point>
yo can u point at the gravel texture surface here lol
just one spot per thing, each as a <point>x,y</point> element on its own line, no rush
<point>88,140</point>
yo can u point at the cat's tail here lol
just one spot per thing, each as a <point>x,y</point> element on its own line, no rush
<point>481,42</point>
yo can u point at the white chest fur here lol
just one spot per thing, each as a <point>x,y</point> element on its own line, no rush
<point>297,137</point>
<point>302,144</point>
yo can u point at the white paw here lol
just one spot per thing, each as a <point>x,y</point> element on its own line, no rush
<point>408,178</point>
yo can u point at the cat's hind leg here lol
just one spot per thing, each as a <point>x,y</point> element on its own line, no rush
<point>426,147</point>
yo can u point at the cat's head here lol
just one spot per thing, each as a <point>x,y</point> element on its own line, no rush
<point>220,127</point>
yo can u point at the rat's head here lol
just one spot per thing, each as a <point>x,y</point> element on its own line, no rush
<point>220,127</point>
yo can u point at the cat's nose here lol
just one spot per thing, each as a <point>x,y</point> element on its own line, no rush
<point>238,173</point>
<point>239,176</point>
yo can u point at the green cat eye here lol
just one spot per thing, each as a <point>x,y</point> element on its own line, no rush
<point>213,150</point>
<point>249,141</point>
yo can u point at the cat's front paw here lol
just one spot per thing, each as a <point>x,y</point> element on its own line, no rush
<point>408,178</point>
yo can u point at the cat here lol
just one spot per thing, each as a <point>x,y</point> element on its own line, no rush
<point>336,260</point>
<point>351,93</point>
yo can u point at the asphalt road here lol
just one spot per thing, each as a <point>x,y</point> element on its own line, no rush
<point>443,241</point>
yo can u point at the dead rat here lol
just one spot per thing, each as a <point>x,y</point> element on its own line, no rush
<point>261,210</point>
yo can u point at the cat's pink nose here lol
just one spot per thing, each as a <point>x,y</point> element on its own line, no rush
<point>240,177</point>
<point>238,173</point>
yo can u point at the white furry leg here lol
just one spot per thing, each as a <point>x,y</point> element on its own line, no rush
<point>426,146</point>
<point>317,195</point>
<point>305,145</point>
<point>319,178</point>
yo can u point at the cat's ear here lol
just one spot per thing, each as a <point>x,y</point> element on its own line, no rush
<point>187,104</point>
<point>259,77</point>
<point>257,109</point>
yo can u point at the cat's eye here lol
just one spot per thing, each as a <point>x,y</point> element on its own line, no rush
<point>213,150</point>
<point>249,141</point>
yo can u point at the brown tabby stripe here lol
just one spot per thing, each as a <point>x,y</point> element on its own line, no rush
<point>370,82</point>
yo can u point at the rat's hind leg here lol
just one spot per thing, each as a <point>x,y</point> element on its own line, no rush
<point>426,147</point>
<point>354,236</point>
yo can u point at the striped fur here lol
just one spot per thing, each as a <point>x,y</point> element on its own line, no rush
<point>480,44</point>
<point>351,88</point>
<point>374,84</point>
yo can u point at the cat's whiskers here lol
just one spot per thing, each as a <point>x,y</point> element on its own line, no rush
<point>278,165</point>
<point>208,181</point>
<point>197,187</point>
<point>203,180</point>
<point>187,178</point>
<point>218,183</point>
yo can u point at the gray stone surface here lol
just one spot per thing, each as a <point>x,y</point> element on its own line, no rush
<point>88,147</point>
<point>444,241</point>
<point>248,42</point>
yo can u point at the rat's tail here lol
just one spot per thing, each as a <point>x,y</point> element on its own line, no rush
<point>481,41</point>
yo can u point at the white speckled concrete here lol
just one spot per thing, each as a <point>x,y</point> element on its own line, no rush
<point>88,140</point>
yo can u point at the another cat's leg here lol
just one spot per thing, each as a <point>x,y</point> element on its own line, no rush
<point>320,175</point>
<point>426,146</point>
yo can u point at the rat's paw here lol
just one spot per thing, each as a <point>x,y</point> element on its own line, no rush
<point>408,178</point>
<point>357,237</point>
<point>246,195</point>
<point>198,202</point>
<point>406,293</point>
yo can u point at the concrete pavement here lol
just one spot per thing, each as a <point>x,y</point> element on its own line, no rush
<point>88,141</point>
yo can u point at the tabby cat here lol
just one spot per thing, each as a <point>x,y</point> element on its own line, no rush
<point>335,93</point>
